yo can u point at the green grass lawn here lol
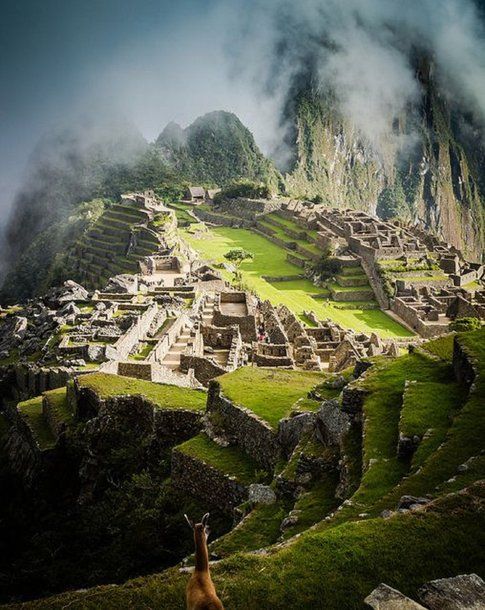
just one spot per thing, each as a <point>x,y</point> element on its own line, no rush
<point>229,460</point>
<point>270,393</point>
<point>164,396</point>
<point>270,260</point>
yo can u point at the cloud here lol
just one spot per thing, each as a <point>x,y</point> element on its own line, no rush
<point>364,52</point>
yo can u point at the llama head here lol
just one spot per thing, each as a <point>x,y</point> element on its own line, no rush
<point>201,527</point>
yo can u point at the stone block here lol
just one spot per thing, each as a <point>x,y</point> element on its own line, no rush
<point>384,597</point>
<point>463,592</point>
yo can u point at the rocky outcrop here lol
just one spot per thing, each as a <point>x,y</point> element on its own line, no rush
<point>464,592</point>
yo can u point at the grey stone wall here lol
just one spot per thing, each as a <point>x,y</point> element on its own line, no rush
<point>139,370</point>
<point>251,433</point>
<point>463,366</point>
<point>212,487</point>
<point>167,425</point>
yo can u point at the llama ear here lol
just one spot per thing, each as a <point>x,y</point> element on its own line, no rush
<point>205,518</point>
<point>191,525</point>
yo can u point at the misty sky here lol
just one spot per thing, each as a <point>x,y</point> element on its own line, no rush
<point>151,60</point>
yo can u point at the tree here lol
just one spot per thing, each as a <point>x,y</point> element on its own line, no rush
<point>327,267</point>
<point>237,256</point>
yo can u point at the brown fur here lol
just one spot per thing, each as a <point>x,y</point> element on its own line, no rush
<point>201,593</point>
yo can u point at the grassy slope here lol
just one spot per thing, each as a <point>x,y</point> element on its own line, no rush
<point>333,570</point>
<point>270,393</point>
<point>58,401</point>
<point>164,396</point>
<point>464,438</point>
<point>382,408</point>
<point>270,260</point>
<point>427,412</point>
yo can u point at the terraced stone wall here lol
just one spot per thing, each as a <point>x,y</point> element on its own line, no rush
<point>251,433</point>
<point>204,482</point>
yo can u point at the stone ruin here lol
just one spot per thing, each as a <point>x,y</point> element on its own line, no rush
<point>428,305</point>
<point>429,310</point>
<point>323,346</point>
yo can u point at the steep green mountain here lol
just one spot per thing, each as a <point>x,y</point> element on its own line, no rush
<point>437,180</point>
<point>216,148</point>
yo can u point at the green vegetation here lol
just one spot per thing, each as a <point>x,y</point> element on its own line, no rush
<point>315,569</point>
<point>259,529</point>
<point>465,324</point>
<point>163,396</point>
<point>238,255</point>
<point>228,460</point>
<point>270,393</point>
<point>216,149</point>
<point>428,417</point>
<point>243,188</point>
<point>270,261</point>
<point>464,438</point>
<point>31,411</point>
<point>328,267</point>
<point>314,505</point>
<point>441,347</point>
<point>416,394</point>
<point>392,202</point>
<point>59,405</point>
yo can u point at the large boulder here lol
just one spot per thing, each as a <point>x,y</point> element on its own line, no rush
<point>261,494</point>
<point>123,284</point>
<point>332,423</point>
<point>384,597</point>
<point>463,592</point>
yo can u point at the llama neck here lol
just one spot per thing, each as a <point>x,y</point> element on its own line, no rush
<point>201,553</point>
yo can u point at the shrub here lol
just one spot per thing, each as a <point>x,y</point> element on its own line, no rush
<point>465,324</point>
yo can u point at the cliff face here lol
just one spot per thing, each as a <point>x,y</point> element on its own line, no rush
<point>435,181</point>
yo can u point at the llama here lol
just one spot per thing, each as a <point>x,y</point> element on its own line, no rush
<point>201,593</point>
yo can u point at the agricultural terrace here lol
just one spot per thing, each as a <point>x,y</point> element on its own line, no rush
<point>297,294</point>
<point>250,387</point>
<point>163,396</point>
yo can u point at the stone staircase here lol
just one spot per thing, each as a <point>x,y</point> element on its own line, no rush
<point>172,359</point>
<point>208,310</point>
